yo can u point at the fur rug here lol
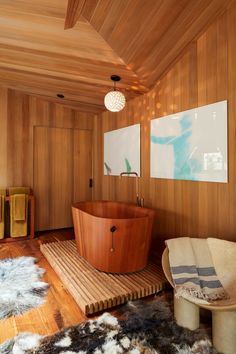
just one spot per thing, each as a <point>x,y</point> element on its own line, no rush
<point>143,328</point>
<point>20,286</point>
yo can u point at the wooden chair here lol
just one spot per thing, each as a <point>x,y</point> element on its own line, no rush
<point>223,311</point>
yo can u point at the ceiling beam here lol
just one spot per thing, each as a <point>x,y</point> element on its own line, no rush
<point>74,10</point>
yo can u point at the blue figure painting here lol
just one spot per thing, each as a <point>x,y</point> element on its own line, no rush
<point>191,145</point>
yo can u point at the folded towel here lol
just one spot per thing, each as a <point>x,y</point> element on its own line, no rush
<point>18,190</point>
<point>2,203</point>
<point>18,215</point>
<point>19,210</point>
<point>3,191</point>
<point>192,270</point>
<point>2,206</point>
<point>2,212</point>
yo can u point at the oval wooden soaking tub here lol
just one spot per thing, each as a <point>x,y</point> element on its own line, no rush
<point>113,237</point>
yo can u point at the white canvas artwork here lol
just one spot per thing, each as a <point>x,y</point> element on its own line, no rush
<point>122,150</point>
<point>191,145</point>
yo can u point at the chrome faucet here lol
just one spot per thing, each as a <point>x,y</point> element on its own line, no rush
<point>139,201</point>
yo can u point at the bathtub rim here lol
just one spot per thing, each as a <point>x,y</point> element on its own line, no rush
<point>150,212</point>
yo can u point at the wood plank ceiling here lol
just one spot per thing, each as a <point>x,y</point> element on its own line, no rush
<point>73,47</point>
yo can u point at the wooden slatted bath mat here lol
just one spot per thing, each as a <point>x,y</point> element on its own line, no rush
<point>94,290</point>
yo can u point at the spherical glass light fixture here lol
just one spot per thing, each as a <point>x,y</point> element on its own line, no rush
<point>114,100</point>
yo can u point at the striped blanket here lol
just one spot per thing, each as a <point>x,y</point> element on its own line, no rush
<point>192,270</point>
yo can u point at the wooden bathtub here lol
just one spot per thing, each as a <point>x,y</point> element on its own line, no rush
<point>122,251</point>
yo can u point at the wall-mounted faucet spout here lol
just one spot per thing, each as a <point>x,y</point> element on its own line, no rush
<point>139,201</point>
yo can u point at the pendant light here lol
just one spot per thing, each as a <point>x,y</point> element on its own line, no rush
<point>114,100</point>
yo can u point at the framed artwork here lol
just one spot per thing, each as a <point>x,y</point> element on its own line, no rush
<point>122,150</point>
<point>191,145</point>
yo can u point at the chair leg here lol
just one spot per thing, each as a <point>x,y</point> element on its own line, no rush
<point>224,331</point>
<point>186,313</point>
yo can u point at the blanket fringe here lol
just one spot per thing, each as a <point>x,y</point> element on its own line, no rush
<point>199,296</point>
<point>190,294</point>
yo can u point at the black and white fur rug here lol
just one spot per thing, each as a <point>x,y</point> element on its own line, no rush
<point>145,328</point>
<point>21,287</point>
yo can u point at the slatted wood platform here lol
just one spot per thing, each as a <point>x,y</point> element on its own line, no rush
<point>94,290</point>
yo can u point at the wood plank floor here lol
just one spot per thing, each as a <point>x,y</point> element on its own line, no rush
<point>60,310</point>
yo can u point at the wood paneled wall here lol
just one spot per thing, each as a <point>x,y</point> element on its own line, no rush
<point>19,114</point>
<point>203,74</point>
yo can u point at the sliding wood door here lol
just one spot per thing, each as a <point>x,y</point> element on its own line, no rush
<point>62,169</point>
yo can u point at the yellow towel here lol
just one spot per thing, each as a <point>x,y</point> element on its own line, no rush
<point>18,215</point>
<point>2,204</point>
<point>1,208</point>
<point>18,190</point>
<point>20,207</point>
<point>3,191</point>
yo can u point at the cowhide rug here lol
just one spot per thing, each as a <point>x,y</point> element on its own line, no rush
<point>21,287</point>
<point>142,328</point>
